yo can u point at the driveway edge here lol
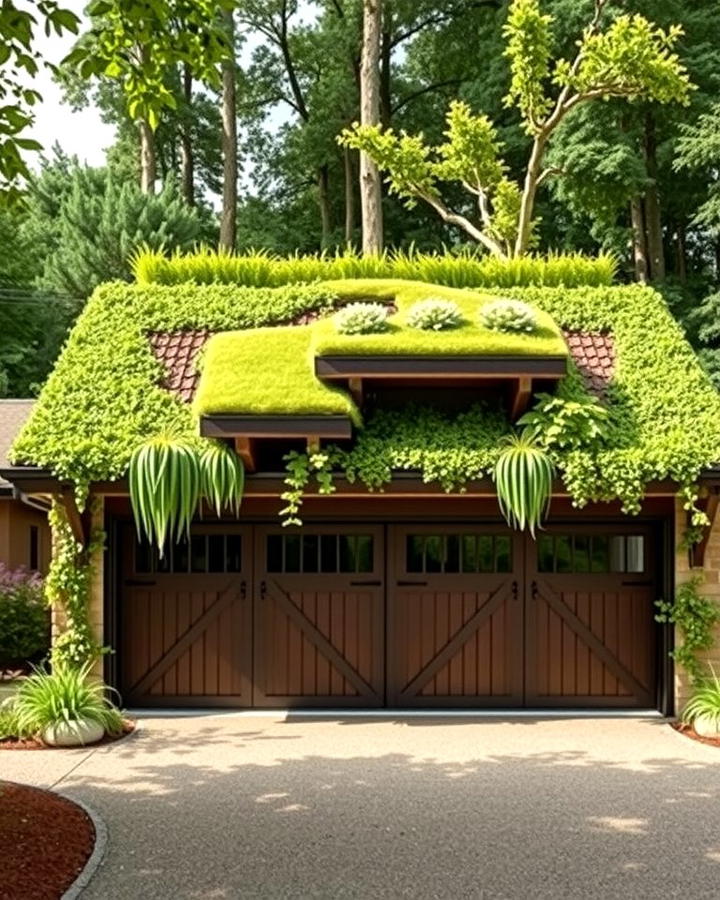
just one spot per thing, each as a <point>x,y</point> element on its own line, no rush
<point>97,855</point>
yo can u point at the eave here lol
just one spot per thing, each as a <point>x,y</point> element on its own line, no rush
<point>332,368</point>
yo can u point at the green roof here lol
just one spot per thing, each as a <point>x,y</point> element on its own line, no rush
<point>270,371</point>
<point>106,393</point>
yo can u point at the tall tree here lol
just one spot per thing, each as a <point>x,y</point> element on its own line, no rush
<point>228,221</point>
<point>631,58</point>
<point>370,182</point>
<point>138,43</point>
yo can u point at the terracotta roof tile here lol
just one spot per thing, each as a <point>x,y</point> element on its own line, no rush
<point>593,353</point>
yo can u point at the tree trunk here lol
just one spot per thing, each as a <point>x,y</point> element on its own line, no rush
<point>681,251</point>
<point>187,157</point>
<point>228,221</point>
<point>148,158</point>
<point>323,180</point>
<point>349,197</point>
<point>386,77</point>
<point>640,258</point>
<point>527,205</point>
<point>370,184</point>
<point>653,220</point>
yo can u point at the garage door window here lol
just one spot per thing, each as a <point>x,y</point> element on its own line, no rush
<point>323,554</point>
<point>453,554</point>
<point>204,553</point>
<point>596,554</point>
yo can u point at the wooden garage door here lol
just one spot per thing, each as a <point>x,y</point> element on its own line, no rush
<point>185,621</point>
<point>455,617</point>
<point>319,617</point>
<point>589,626</point>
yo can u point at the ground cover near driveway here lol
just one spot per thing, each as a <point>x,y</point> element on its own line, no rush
<point>225,807</point>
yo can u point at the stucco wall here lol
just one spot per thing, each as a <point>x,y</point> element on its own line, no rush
<point>709,588</point>
<point>15,521</point>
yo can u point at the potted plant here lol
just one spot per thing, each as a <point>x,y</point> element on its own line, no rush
<point>64,708</point>
<point>703,710</point>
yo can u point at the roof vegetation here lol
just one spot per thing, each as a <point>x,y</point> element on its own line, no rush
<point>105,396</point>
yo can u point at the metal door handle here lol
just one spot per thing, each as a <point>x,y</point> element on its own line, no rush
<point>412,583</point>
<point>366,583</point>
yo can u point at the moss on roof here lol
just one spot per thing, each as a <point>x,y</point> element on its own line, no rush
<point>270,371</point>
<point>105,395</point>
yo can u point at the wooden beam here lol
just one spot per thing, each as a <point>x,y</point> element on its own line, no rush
<point>313,444</point>
<point>245,448</point>
<point>79,522</point>
<point>227,426</point>
<point>339,368</point>
<point>355,386</point>
<point>521,397</point>
<point>709,505</point>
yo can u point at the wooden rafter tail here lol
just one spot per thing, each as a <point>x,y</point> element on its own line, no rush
<point>246,449</point>
<point>521,397</point>
<point>709,505</point>
<point>80,523</point>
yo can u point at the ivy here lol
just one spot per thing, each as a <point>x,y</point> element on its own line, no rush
<point>301,467</point>
<point>67,588</point>
<point>696,617</point>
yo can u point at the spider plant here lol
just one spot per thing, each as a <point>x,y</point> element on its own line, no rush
<point>705,702</point>
<point>165,487</point>
<point>222,477</point>
<point>523,477</point>
<point>64,697</point>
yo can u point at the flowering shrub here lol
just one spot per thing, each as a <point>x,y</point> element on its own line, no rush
<point>362,318</point>
<point>434,314</point>
<point>508,315</point>
<point>24,617</point>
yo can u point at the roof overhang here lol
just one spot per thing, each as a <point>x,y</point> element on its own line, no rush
<point>229,426</point>
<point>440,367</point>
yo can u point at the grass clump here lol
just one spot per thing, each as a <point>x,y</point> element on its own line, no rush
<point>362,318</point>
<point>435,314</point>
<point>509,316</point>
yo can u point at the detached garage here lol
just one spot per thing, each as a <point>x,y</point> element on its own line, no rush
<point>381,557</point>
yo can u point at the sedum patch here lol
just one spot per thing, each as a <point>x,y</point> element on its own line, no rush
<point>104,397</point>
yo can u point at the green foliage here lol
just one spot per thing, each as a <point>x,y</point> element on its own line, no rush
<point>509,316</point>
<point>461,270</point>
<point>20,64</point>
<point>67,588</point>
<point>434,314</point>
<point>164,475</point>
<point>696,617</point>
<point>529,47</point>
<point>24,620</point>
<point>300,469</point>
<point>136,43</point>
<point>362,318</point>
<point>557,423</point>
<point>9,725</point>
<point>64,697</point>
<point>698,151</point>
<point>705,701</point>
<point>523,477</point>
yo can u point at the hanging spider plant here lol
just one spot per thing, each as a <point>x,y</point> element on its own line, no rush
<point>222,477</point>
<point>164,488</point>
<point>523,477</point>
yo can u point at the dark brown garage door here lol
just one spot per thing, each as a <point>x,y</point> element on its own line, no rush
<point>398,616</point>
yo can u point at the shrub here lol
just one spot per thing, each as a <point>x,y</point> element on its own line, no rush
<point>705,701</point>
<point>64,696</point>
<point>24,617</point>
<point>9,726</point>
<point>560,424</point>
<point>466,269</point>
<point>435,314</point>
<point>362,318</point>
<point>508,315</point>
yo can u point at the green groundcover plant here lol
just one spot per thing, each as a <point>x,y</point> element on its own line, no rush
<point>464,269</point>
<point>705,701</point>
<point>105,397</point>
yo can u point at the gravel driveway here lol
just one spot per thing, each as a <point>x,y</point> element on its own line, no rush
<point>227,806</point>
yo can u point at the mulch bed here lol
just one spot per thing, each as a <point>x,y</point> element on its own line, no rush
<point>32,744</point>
<point>46,841</point>
<point>689,732</point>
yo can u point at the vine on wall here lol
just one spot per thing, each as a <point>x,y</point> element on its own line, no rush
<point>696,617</point>
<point>68,587</point>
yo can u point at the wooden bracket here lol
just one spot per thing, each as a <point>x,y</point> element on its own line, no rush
<point>355,386</point>
<point>709,505</point>
<point>521,397</point>
<point>246,450</point>
<point>313,444</point>
<point>80,522</point>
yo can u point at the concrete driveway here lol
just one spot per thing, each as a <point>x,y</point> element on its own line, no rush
<point>216,807</point>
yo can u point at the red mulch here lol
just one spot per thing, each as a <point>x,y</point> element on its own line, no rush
<point>46,841</point>
<point>689,732</point>
<point>32,744</point>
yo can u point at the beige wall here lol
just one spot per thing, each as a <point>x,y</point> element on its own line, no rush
<point>16,518</point>
<point>709,588</point>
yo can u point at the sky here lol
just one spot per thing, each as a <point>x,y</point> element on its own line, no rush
<point>80,133</point>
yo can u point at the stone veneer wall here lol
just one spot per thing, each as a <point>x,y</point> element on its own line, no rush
<point>709,588</point>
